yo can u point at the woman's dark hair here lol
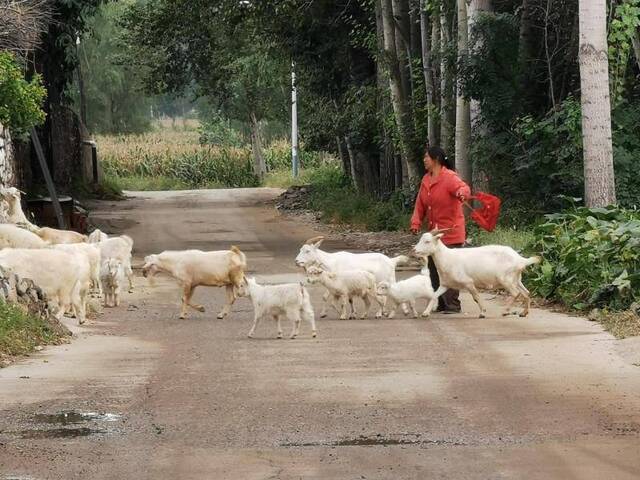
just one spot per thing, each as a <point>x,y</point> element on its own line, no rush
<point>437,154</point>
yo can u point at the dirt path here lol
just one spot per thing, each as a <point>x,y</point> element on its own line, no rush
<point>154,397</point>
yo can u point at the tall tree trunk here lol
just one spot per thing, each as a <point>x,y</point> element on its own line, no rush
<point>524,44</point>
<point>636,46</point>
<point>400,10</point>
<point>446,84</point>
<point>387,182</point>
<point>476,8</point>
<point>428,73</point>
<point>398,96</point>
<point>344,157</point>
<point>463,122</point>
<point>437,74</point>
<point>599,178</point>
<point>259,165</point>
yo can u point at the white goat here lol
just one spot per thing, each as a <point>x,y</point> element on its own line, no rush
<point>12,236</point>
<point>119,248</point>
<point>290,300</point>
<point>488,267</point>
<point>13,212</point>
<point>192,268</point>
<point>60,237</point>
<point>344,286</point>
<point>92,252</point>
<point>112,275</point>
<point>382,267</point>
<point>406,292</point>
<point>61,276</point>
<point>97,236</point>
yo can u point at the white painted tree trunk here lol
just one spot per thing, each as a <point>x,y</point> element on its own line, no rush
<point>427,71</point>
<point>599,179</point>
<point>476,7</point>
<point>463,119</point>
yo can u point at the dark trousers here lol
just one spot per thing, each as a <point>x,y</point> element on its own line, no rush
<point>450,300</point>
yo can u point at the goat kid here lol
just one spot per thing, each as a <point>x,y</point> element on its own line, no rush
<point>343,286</point>
<point>407,292</point>
<point>290,300</point>
<point>112,276</point>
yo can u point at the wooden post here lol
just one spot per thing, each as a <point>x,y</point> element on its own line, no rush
<point>47,178</point>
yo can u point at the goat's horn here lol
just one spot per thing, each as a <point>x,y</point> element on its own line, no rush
<point>437,231</point>
<point>319,238</point>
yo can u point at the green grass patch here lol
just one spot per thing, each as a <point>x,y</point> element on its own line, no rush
<point>334,196</point>
<point>620,324</point>
<point>20,333</point>
<point>517,238</point>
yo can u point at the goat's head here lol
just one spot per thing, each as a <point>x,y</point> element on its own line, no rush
<point>244,289</point>
<point>308,253</point>
<point>382,288</point>
<point>150,267</point>
<point>428,243</point>
<point>112,266</point>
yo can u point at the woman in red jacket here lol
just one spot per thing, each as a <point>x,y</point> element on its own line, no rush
<point>440,203</point>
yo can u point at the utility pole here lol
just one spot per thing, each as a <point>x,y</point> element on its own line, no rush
<point>294,123</point>
<point>83,100</point>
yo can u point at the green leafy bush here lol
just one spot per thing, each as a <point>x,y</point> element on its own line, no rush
<point>20,100</point>
<point>591,258</point>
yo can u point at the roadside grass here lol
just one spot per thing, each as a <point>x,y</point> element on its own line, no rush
<point>20,333</point>
<point>620,324</point>
<point>517,238</point>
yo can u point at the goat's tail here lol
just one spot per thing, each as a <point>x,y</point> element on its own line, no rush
<point>532,260</point>
<point>399,260</point>
<point>306,310</point>
<point>240,255</point>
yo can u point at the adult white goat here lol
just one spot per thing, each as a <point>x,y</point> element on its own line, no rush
<point>60,237</point>
<point>344,286</point>
<point>193,268</point>
<point>62,276</point>
<point>12,236</point>
<point>488,267</point>
<point>14,214</point>
<point>290,300</point>
<point>92,252</point>
<point>382,267</point>
<point>406,292</point>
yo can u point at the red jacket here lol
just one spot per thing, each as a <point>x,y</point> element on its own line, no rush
<point>439,201</point>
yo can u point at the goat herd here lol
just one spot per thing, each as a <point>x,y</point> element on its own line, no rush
<point>68,266</point>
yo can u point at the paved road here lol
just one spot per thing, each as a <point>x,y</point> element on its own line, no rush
<point>150,396</point>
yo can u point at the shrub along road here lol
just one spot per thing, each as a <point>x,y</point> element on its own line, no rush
<point>149,396</point>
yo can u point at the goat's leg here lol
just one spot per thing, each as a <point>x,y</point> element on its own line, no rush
<point>412,305</point>
<point>231,298</point>
<point>405,308</point>
<point>392,311</point>
<point>279,326</point>
<point>514,294</point>
<point>186,296</point>
<point>129,272</point>
<point>256,319</point>
<point>526,296</point>
<point>325,305</point>
<point>195,306</point>
<point>476,297</point>
<point>381,302</point>
<point>433,302</point>
<point>366,298</point>
<point>294,315</point>
<point>343,301</point>
<point>116,296</point>
<point>353,313</point>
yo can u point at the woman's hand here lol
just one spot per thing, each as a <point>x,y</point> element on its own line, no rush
<point>415,231</point>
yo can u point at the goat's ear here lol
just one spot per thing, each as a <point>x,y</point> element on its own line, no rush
<point>315,241</point>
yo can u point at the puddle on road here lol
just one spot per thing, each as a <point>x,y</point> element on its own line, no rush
<point>378,440</point>
<point>59,433</point>
<point>68,424</point>
<point>72,417</point>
